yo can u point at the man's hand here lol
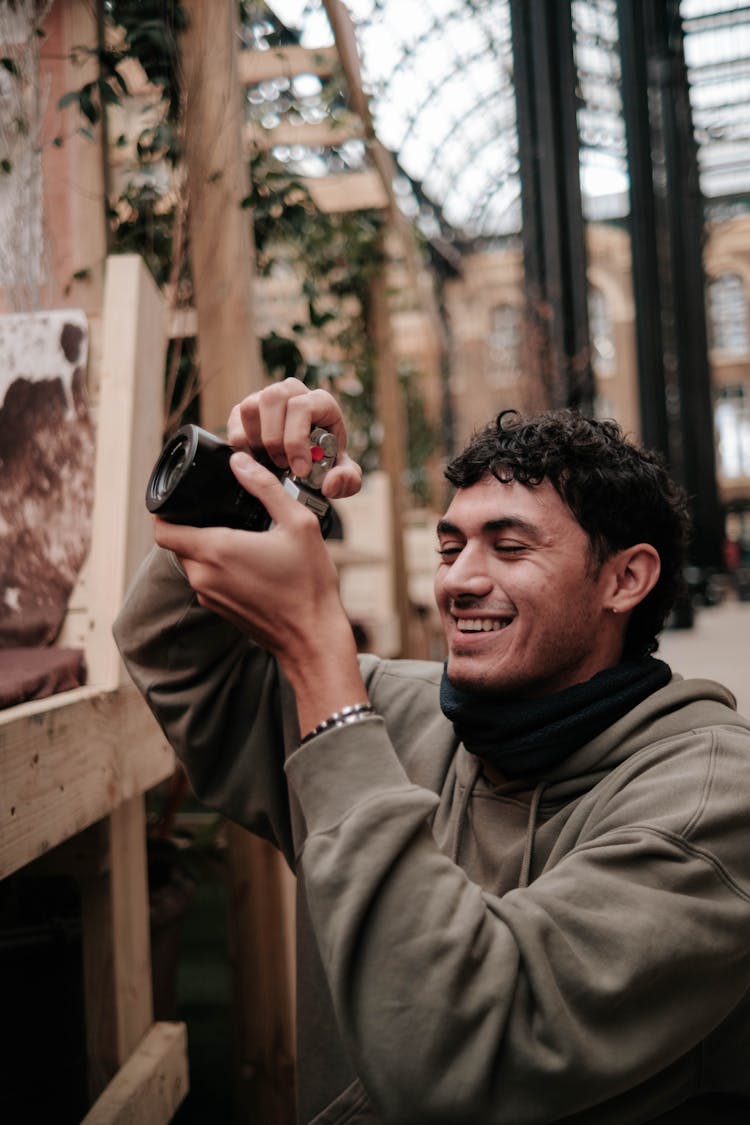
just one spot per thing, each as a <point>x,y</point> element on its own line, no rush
<point>280,586</point>
<point>275,584</point>
<point>278,421</point>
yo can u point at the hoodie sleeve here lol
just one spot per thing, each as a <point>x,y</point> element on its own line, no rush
<point>218,698</point>
<point>590,986</point>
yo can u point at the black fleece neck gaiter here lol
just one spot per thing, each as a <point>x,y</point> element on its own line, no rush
<point>525,737</point>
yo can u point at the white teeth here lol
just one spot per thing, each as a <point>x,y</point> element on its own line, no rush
<point>480,624</point>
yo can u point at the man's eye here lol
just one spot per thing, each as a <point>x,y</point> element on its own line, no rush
<point>509,548</point>
<point>448,552</point>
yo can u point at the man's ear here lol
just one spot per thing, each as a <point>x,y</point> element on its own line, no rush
<point>634,572</point>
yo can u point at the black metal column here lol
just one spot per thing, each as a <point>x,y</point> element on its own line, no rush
<point>668,278</point>
<point>553,230</point>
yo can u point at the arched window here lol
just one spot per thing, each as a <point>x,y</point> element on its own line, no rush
<point>732,421</point>
<point>728,329</point>
<point>504,345</point>
<point>601,334</point>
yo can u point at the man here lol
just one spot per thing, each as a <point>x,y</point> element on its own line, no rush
<point>524,883</point>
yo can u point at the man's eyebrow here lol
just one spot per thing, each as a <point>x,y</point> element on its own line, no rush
<point>506,523</point>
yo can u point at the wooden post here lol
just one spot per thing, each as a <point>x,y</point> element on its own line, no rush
<point>223,274</point>
<point>84,164</point>
<point>262,936</point>
<point>391,415</point>
<point>222,247</point>
<point>129,437</point>
<point>148,1089</point>
<point>116,943</point>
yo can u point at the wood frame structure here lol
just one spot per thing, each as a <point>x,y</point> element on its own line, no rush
<point>74,767</point>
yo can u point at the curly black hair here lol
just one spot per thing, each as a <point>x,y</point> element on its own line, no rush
<point>619,492</point>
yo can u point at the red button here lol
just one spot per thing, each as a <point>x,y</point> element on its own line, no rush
<point>316,452</point>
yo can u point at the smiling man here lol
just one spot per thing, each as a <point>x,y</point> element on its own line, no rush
<point>524,876</point>
<point>515,561</point>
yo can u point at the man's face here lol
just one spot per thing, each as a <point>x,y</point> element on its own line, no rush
<point>521,603</point>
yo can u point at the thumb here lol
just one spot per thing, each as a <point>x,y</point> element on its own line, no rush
<point>264,485</point>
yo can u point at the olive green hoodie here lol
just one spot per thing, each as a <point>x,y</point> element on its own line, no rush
<point>576,949</point>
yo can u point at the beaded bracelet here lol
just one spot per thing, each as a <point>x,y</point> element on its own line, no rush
<point>343,718</point>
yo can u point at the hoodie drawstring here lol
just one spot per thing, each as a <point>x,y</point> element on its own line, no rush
<point>463,810</point>
<point>528,851</point>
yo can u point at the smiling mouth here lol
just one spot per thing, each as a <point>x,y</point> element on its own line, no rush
<point>481,624</point>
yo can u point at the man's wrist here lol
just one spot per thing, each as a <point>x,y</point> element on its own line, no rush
<point>354,713</point>
<point>325,678</point>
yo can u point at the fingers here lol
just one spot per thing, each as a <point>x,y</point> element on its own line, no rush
<point>280,504</point>
<point>279,418</point>
<point>188,543</point>
<point>344,479</point>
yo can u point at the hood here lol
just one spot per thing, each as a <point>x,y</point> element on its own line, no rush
<point>681,706</point>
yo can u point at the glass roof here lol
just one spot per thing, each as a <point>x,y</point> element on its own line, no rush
<point>439,77</point>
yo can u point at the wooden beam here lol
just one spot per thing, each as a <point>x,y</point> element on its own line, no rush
<point>262,938</point>
<point>347,191</point>
<point>111,863</point>
<point>152,1083</point>
<point>346,44</point>
<point>220,230</point>
<point>285,62</point>
<point>223,279</point>
<point>70,760</point>
<point>183,323</point>
<point>390,407</point>
<point>129,433</point>
<point>85,170</point>
<point>323,134</point>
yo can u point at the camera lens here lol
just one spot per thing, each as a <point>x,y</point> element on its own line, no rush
<point>192,483</point>
<point>170,468</point>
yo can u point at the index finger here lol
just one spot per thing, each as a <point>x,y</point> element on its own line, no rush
<point>186,542</point>
<point>303,414</point>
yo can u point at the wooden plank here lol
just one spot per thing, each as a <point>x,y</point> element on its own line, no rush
<point>70,760</point>
<point>129,436</point>
<point>183,323</point>
<point>83,281</point>
<point>262,937</point>
<point>285,62</point>
<point>111,865</point>
<point>148,1089</point>
<point>346,45</point>
<point>323,134</point>
<point>221,234</point>
<point>347,191</point>
<point>390,406</point>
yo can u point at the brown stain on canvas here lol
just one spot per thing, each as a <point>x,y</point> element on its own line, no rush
<point>46,499</point>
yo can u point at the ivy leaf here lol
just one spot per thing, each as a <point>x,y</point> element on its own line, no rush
<point>69,98</point>
<point>107,94</point>
<point>89,109</point>
<point>281,356</point>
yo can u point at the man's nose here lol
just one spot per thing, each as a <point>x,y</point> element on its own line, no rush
<point>468,575</point>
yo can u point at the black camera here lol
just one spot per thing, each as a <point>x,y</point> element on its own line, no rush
<point>192,483</point>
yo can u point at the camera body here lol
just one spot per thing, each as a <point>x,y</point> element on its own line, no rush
<point>192,483</point>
